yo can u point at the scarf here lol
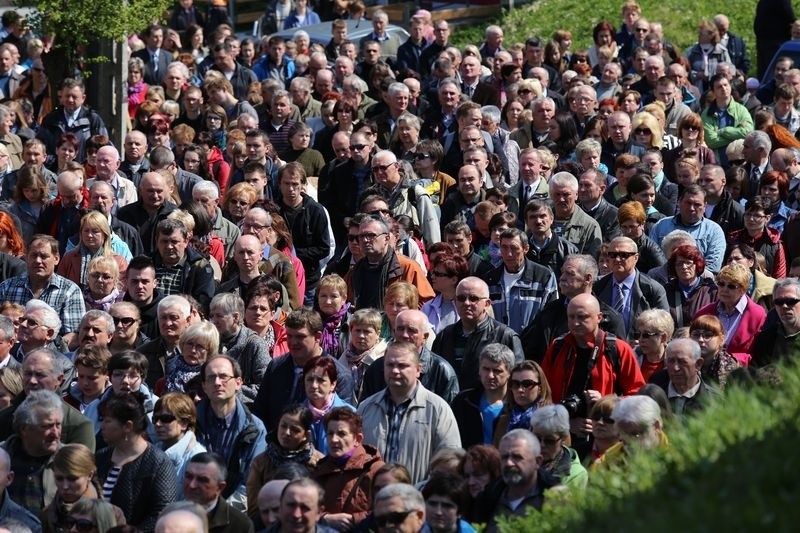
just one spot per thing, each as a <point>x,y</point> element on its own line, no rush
<point>181,374</point>
<point>331,331</point>
<point>278,455</point>
<point>520,418</point>
<point>86,257</point>
<point>355,362</point>
<point>318,413</point>
<point>104,303</point>
<point>269,338</point>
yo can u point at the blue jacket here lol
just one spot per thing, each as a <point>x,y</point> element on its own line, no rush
<point>708,234</point>
<point>293,22</point>
<point>11,509</point>
<point>318,436</point>
<point>530,293</point>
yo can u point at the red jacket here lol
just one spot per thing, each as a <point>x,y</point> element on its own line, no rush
<point>559,367</point>
<point>222,173</point>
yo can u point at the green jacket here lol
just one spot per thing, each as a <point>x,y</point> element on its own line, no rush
<point>718,138</point>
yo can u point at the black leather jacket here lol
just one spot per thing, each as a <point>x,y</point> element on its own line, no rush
<point>437,375</point>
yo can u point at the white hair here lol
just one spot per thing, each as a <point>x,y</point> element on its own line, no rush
<point>173,301</point>
<point>639,410</point>
<point>207,187</point>
<point>49,315</point>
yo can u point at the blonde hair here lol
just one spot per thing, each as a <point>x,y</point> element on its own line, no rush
<point>184,218</point>
<point>404,292</point>
<point>106,261</point>
<point>203,333</point>
<point>649,121</point>
<point>738,274</point>
<point>333,282</point>
<point>100,221</point>
<point>658,319</point>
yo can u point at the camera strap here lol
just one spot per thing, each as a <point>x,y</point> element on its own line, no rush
<point>577,388</point>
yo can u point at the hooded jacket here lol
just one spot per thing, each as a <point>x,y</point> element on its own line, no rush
<point>348,486</point>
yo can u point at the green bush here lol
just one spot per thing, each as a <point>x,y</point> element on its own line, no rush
<point>731,468</point>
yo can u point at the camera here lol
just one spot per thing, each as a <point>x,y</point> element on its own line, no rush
<point>575,405</point>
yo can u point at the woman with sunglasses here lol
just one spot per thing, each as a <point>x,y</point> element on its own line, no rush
<point>708,332</point>
<point>237,201</point>
<point>646,131</point>
<point>692,137</point>
<point>761,285</point>
<point>446,272</point>
<point>93,516</point>
<point>74,472</point>
<point>428,156</point>
<point>604,432</point>
<point>550,424</point>
<point>687,290</point>
<point>654,329</point>
<point>175,418</point>
<point>199,342</point>
<point>759,236</point>
<point>527,391</point>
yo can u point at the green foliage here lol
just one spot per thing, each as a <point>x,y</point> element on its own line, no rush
<point>679,18</point>
<point>732,468</point>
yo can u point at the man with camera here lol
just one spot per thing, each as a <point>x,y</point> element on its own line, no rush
<point>586,364</point>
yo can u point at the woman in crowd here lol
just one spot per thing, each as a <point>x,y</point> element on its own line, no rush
<point>102,290</point>
<point>446,273</point>
<point>528,390</point>
<point>10,385</point>
<point>428,155</point>
<point>137,88</point>
<point>692,137</point>
<point>654,329</point>
<point>136,476</point>
<point>74,471</point>
<point>301,15</point>
<point>299,151</point>
<point>446,503</point>
<point>399,296</point>
<point>95,241</point>
<point>775,187</point>
<point>30,196</point>
<point>688,290</point>
<point>195,161</point>
<point>346,473</point>
<point>564,132</point>
<point>334,309</point>
<point>66,151</point>
<point>760,237</point>
<point>741,317</point>
<point>761,285</point>
<point>706,54</point>
<point>632,219</point>
<point>388,474</point>
<point>717,361</point>
<point>290,442</point>
<point>90,515</point>
<point>497,225</point>
<point>646,131</point>
<point>345,114</point>
<point>365,345</point>
<point>237,201</point>
<point>319,378</point>
<point>199,342</point>
<point>404,142</point>
<point>11,242</point>
<point>193,42</point>
<point>642,189</point>
<point>259,316</point>
<point>283,242</point>
<point>513,115</point>
<point>215,121</point>
<point>550,424</point>
<point>175,418</point>
<point>604,432</point>
<point>480,467</point>
<point>629,101</point>
<point>603,35</point>
<point>553,57</point>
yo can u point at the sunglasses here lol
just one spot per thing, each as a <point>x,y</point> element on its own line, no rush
<point>392,519</point>
<point>620,255</point>
<point>357,147</point>
<point>526,384</point>
<point>470,297</point>
<point>646,334</point>
<point>642,131</point>
<point>164,418</point>
<point>83,525</point>
<point>603,418</point>
<point>352,238</point>
<point>790,302</point>
<point>124,320</point>
<point>691,128</point>
<point>421,156</point>
<point>239,202</point>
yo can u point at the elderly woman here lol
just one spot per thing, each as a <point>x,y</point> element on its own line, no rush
<point>741,317</point>
<point>406,136</point>
<point>299,139</point>
<point>528,390</point>
<point>137,88</point>
<point>347,471</point>
<point>365,345</point>
<point>345,115</point>
<point>446,272</point>
<point>90,515</point>
<point>687,290</point>
<point>333,308</point>
<point>399,296</point>
<point>654,329</point>
<point>528,90</point>
<point>237,201</point>
<point>95,241</point>
<point>550,424</point>
<point>480,467</point>
<point>428,155</point>
<point>706,54</point>
<point>708,332</point>
<point>760,237</point>
<point>646,131</point>
<point>604,433</point>
<point>102,290</point>
<point>319,378</point>
<point>175,418</point>
<point>632,219</point>
<point>135,475</point>
<point>196,344</point>
<point>259,316</point>
<point>774,186</point>
<point>10,386</point>
<point>761,285</point>
<point>11,141</point>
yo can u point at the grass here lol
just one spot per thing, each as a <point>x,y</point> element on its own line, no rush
<point>679,18</point>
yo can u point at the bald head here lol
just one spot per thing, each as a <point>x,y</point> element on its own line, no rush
<point>269,500</point>
<point>412,326</point>
<point>587,301</point>
<point>583,318</point>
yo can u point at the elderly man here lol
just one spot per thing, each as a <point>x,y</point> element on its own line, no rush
<point>708,235</point>
<point>461,343</point>
<point>8,337</point>
<point>177,519</point>
<point>300,89</point>
<point>409,53</point>
<point>240,342</point>
<point>380,258</point>
<point>578,274</point>
<point>543,109</point>
<point>389,43</point>
<point>42,370</point>
<point>152,207</point>
<point>8,507</point>
<point>571,222</point>
<point>626,290</point>
<point>724,119</point>
<point>681,380</point>
<point>173,319</point>
<point>244,437</point>
<point>397,98</point>
<point>654,69</point>
<point>531,185</point>
<point>460,205</point>
<point>519,288</point>
<point>62,218</point>
<point>179,268</point>
<point>545,247</point>
<point>777,340</point>
<point>96,329</point>
<point>591,188</point>
<point>38,328</point>
<point>666,92</point>
<point>203,483</point>
<point>401,507</point>
<point>436,374</point>
<point>41,282</point>
<point>269,502</point>
<point>163,159</point>
<point>34,154</point>
<point>756,150</point>
<point>175,79</point>
<point>300,508</point>
<point>619,140</point>
<point>614,369</point>
<point>390,415</point>
<point>107,165</point>
<point>638,420</point>
<point>207,194</point>
<point>135,163</point>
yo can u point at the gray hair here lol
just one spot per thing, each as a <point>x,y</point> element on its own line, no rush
<point>229,303</point>
<point>174,301</point>
<point>301,33</point>
<point>388,154</point>
<point>412,498</point>
<point>564,179</point>
<point>450,81</point>
<point>586,264</point>
<point>301,83</point>
<point>102,511</point>
<point>529,438</point>
<point>160,157</point>
<point>627,241</point>
<point>492,112</point>
<point>49,315</point>
<point>639,410</point>
<point>35,403</point>
<point>14,526</point>
<point>551,419</point>
<point>410,119</point>
<point>760,140</point>
<point>787,282</point>
<point>355,82</point>
<point>7,327</point>
<point>5,112</point>
<point>674,238</point>
<point>207,187</point>
<point>136,63</point>
<point>587,146</point>
<point>262,212</point>
<point>657,319</point>
<point>541,100</point>
<point>177,65</point>
<point>689,344</point>
<point>280,93</point>
<point>498,354</point>
<point>396,88</point>
<point>94,314</point>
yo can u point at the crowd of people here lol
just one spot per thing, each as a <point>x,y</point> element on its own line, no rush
<point>386,285</point>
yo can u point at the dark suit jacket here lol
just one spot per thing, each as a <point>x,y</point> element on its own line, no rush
<point>737,50</point>
<point>646,294</point>
<point>752,185</point>
<point>225,519</point>
<point>151,77</point>
<point>666,198</point>
<point>486,94</point>
<point>14,81</point>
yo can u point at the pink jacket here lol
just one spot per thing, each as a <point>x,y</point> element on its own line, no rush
<point>753,318</point>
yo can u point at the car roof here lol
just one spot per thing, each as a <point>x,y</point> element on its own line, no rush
<point>789,49</point>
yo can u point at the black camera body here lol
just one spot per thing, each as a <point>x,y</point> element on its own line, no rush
<point>575,404</point>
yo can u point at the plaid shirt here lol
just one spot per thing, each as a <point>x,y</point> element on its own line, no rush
<point>61,294</point>
<point>396,414</point>
<point>169,279</point>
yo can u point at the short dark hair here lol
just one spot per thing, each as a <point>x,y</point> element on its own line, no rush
<point>168,226</point>
<point>141,262</point>
<point>305,317</point>
<point>211,458</point>
<point>128,359</point>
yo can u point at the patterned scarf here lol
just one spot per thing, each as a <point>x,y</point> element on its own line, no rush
<point>86,257</point>
<point>182,373</point>
<point>318,413</point>
<point>521,418</point>
<point>331,331</point>
<point>278,455</point>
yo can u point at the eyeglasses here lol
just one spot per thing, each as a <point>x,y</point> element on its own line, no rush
<point>380,212</point>
<point>239,202</point>
<point>369,237</point>
<point>470,297</point>
<point>381,168</point>
<point>731,286</point>
<point>83,525</point>
<point>392,519</point>
<point>256,227</point>
<point>421,156</point>
<point>646,334</point>
<point>549,440</point>
<point>702,334</point>
<point>684,263</point>
<point>357,147</point>
<point>212,378</point>
<point>754,216</point>
<point>437,274</point>
<point>164,418</point>
<point>124,320</point>
<point>122,374</point>
<point>526,384</point>
<point>605,419</point>
<point>642,131</point>
<point>691,128</point>
<point>353,238</point>
<point>620,255</point>
<point>790,302</point>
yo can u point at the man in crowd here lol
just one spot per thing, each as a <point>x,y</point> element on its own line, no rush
<point>681,380</point>
<point>203,483</point>
<point>402,506</point>
<point>135,163</point>
<point>571,222</point>
<point>545,247</point>
<point>173,314</point>
<point>72,117</point>
<point>207,194</point>
<point>142,290</point>
<point>591,188</point>
<point>180,268</point>
<point>724,120</point>
<point>725,211</point>
<point>156,59</point>
<point>151,208</point>
<point>778,339</point>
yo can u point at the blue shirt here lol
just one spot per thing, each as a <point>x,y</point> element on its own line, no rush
<point>489,414</point>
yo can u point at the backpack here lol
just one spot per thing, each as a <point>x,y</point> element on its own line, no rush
<point>610,351</point>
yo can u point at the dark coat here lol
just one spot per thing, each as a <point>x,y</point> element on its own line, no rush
<point>694,404</point>
<point>196,277</point>
<point>553,254</point>
<point>771,345</point>
<point>128,233</point>
<point>683,309</point>
<point>650,254</point>
<point>144,488</point>
<point>486,94</point>
<point>151,75</point>
<point>666,198</point>
<point>437,375</point>
<point>225,519</point>
<point>135,215</point>
<point>467,410</point>
<point>76,428</point>
<point>11,266</point>
<point>728,213</point>
<point>646,294</point>
<point>408,56</point>
<point>606,216</point>
<point>54,124</point>
<point>737,50</point>
<point>242,78</point>
<point>309,227</point>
